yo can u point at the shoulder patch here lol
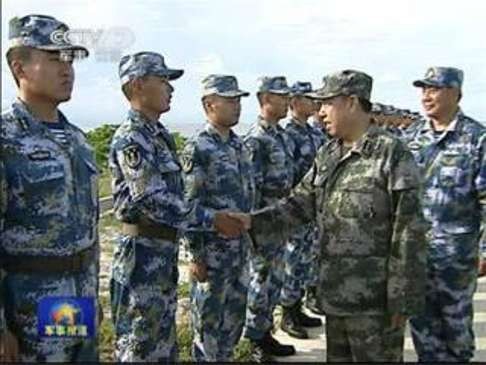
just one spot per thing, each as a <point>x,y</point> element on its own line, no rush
<point>132,156</point>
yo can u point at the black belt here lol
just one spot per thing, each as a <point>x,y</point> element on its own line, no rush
<point>150,230</point>
<point>50,264</point>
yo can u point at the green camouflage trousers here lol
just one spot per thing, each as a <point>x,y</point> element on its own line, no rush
<point>363,339</point>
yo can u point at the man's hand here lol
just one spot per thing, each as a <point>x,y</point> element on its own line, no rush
<point>398,321</point>
<point>9,347</point>
<point>228,225</point>
<point>198,271</point>
<point>482,267</point>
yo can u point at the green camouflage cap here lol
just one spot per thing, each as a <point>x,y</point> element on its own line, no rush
<point>347,82</point>
<point>273,84</point>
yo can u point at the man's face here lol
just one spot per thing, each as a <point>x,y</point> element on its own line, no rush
<point>335,112</point>
<point>223,111</point>
<point>438,102</point>
<point>44,75</point>
<point>155,93</point>
<point>278,103</point>
<point>303,105</point>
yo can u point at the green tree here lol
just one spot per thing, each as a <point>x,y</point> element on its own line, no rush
<point>100,139</point>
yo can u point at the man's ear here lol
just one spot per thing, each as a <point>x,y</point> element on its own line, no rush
<point>18,69</point>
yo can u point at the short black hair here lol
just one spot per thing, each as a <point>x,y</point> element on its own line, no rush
<point>21,53</point>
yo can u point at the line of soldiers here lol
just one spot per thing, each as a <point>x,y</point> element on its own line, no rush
<point>375,222</point>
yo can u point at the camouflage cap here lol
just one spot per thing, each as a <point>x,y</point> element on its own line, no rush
<point>273,85</point>
<point>222,85</point>
<point>301,88</point>
<point>441,77</point>
<point>42,32</point>
<point>347,82</point>
<point>143,64</point>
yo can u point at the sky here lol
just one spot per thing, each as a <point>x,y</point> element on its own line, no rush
<point>393,41</point>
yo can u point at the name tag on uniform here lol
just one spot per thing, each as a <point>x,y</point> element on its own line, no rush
<point>39,155</point>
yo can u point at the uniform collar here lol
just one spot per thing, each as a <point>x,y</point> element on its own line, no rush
<point>28,121</point>
<point>267,125</point>
<point>453,126</point>
<point>364,145</point>
<point>213,132</point>
<point>153,128</point>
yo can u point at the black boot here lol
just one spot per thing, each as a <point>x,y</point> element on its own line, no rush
<point>305,320</point>
<point>291,324</point>
<point>312,303</point>
<point>258,352</point>
<point>274,348</point>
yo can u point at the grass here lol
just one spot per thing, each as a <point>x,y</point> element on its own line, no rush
<point>104,184</point>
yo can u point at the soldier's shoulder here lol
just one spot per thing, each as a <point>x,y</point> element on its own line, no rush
<point>128,133</point>
<point>472,126</point>
<point>10,123</point>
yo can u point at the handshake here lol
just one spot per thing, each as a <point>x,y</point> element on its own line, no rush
<point>232,224</point>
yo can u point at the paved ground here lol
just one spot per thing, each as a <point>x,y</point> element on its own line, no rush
<point>314,349</point>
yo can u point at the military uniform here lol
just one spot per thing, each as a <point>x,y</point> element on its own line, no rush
<point>273,167</point>
<point>302,247</point>
<point>453,169</point>
<point>218,174</point>
<point>48,240</point>
<point>372,262</point>
<point>148,196</point>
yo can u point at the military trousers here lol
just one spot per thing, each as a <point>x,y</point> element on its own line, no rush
<point>266,278</point>
<point>363,338</point>
<point>218,313</point>
<point>444,333</point>
<point>143,292</point>
<point>299,261</point>
<point>23,291</point>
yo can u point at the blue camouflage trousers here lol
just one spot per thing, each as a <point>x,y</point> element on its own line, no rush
<point>143,292</point>
<point>22,295</point>
<point>218,313</point>
<point>444,333</point>
<point>266,278</point>
<point>299,265</point>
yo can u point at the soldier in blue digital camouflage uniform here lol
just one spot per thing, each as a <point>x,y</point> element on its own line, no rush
<point>48,238</point>
<point>449,149</point>
<point>300,254</point>
<point>149,200</point>
<point>218,174</point>
<point>273,167</point>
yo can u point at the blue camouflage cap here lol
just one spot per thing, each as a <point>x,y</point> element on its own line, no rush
<point>222,85</point>
<point>302,88</point>
<point>143,64</point>
<point>42,32</point>
<point>273,84</point>
<point>441,77</point>
<point>346,82</point>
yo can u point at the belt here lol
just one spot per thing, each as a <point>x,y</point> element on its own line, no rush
<point>50,264</point>
<point>276,193</point>
<point>150,230</point>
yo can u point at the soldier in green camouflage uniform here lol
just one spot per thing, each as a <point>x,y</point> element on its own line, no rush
<point>362,190</point>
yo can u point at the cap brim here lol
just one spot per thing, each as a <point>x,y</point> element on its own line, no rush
<point>318,96</point>
<point>234,94</point>
<point>63,47</point>
<point>422,83</point>
<point>174,74</point>
<point>278,92</point>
